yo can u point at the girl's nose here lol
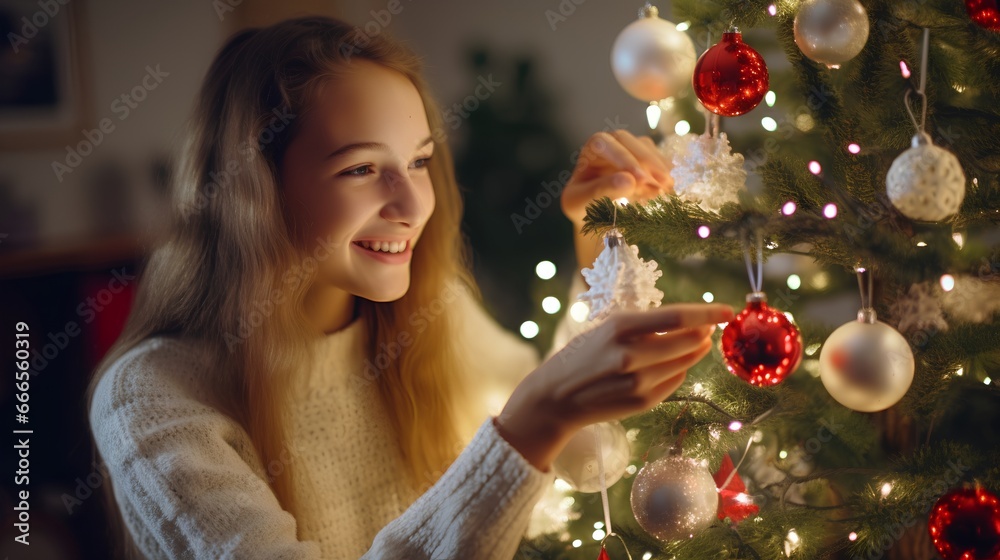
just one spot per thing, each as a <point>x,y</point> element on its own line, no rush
<point>404,203</point>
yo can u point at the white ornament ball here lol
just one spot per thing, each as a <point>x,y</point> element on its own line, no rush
<point>674,498</point>
<point>577,463</point>
<point>652,60</point>
<point>866,365</point>
<point>926,182</point>
<point>831,32</point>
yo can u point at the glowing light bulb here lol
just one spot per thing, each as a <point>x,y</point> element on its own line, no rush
<point>735,426</point>
<point>551,305</point>
<point>782,454</point>
<point>682,128</point>
<point>579,311</point>
<point>653,113</point>
<point>904,69</point>
<point>708,297</point>
<point>577,543</point>
<point>769,124</point>
<point>815,168</point>
<point>772,10</point>
<point>791,542</point>
<point>886,488</point>
<point>789,208</point>
<point>947,282</point>
<point>854,148</point>
<point>852,537</point>
<point>545,270</point>
<point>529,329</point>
<point>683,26</point>
<point>703,231</point>
<point>794,282</point>
<point>770,98</point>
<point>960,371</point>
<point>830,211</point>
<point>959,239</point>
<point>921,243</point>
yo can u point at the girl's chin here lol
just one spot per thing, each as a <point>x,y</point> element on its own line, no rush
<point>386,295</point>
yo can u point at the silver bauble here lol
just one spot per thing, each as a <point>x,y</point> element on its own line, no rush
<point>577,463</point>
<point>926,182</point>
<point>674,498</point>
<point>651,59</point>
<point>831,32</point>
<point>866,365</point>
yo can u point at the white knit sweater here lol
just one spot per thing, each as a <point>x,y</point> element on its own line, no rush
<point>191,485</point>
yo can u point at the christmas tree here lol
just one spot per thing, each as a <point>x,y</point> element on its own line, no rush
<point>847,455</point>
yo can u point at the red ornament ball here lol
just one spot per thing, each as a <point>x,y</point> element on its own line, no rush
<point>761,345</point>
<point>986,13</point>
<point>730,78</point>
<point>965,525</point>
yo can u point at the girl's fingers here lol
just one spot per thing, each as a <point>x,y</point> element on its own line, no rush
<point>654,349</point>
<point>628,324</point>
<point>606,147</point>
<point>646,153</point>
<point>615,185</point>
<point>651,377</point>
<point>641,382</point>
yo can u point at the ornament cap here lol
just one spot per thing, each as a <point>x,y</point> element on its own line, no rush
<point>613,239</point>
<point>649,11</point>
<point>921,139</point>
<point>756,297</point>
<point>867,315</point>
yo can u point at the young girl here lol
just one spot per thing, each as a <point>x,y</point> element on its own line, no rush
<point>306,369</point>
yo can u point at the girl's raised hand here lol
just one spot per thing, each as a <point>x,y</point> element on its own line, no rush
<point>615,164</point>
<point>626,365</point>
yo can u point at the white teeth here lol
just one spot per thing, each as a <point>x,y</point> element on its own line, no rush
<point>384,246</point>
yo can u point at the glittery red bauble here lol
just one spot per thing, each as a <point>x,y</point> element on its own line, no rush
<point>603,555</point>
<point>984,12</point>
<point>965,525</point>
<point>730,78</point>
<point>761,345</point>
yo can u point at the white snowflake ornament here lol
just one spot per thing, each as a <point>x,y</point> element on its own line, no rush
<point>620,279</point>
<point>706,170</point>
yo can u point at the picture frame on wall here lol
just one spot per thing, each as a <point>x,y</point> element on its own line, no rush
<point>43,99</point>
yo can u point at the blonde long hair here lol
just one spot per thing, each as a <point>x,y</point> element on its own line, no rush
<point>229,247</point>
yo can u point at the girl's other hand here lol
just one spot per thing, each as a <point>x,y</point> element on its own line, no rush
<point>628,364</point>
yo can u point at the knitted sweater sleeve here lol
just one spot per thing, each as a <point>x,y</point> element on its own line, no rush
<point>190,484</point>
<point>186,477</point>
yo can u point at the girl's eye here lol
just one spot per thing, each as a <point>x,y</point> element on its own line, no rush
<point>358,171</point>
<point>422,162</point>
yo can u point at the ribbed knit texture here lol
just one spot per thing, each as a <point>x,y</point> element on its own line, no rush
<point>191,485</point>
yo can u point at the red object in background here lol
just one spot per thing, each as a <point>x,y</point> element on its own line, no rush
<point>965,525</point>
<point>986,13</point>
<point>761,345</point>
<point>105,302</point>
<point>603,555</point>
<point>730,78</point>
<point>731,503</point>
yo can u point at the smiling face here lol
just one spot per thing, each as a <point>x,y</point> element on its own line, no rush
<point>355,176</point>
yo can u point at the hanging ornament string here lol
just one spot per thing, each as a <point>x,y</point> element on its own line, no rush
<point>866,295</point>
<point>756,282</point>
<point>746,451</point>
<point>920,90</point>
